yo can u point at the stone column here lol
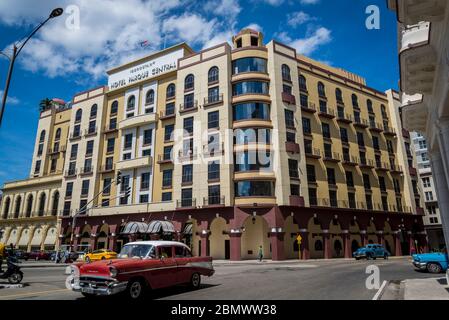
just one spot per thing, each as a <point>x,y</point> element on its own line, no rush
<point>363,237</point>
<point>380,237</point>
<point>411,242</point>
<point>305,251</point>
<point>236,245</point>
<point>277,244</point>
<point>204,236</point>
<point>326,244</point>
<point>112,242</point>
<point>397,244</point>
<point>346,244</point>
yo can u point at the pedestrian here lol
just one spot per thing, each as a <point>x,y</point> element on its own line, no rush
<point>260,255</point>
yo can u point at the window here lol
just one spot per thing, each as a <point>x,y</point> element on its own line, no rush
<point>168,132</point>
<point>376,143</point>
<point>321,90</point>
<point>289,119</point>
<point>213,120</point>
<point>331,176</point>
<point>167,153</point>
<point>171,91</point>
<point>214,194</point>
<point>78,115</point>
<point>355,101</point>
<point>69,190</point>
<point>213,170</point>
<point>149,98</point>
<point>128,141</point>
<point>251,110</point>
<point>170,109</point>
<point>58,134</point>
<point>189,101</point>
<point>286,73</point>
<point>66,210</point>
<point>326,130</point>
<point>360,139</point>
<point>369,105</point>
<point>42,136</point>
<point>424,156</point>
<point>85,188</point>
<point>238,43</point>
<point>131,103</point>
<point>147,137</point>
<point>308,146</point>
<point>302,83</point>
<point>213,75</point>
<point>396,185</point>
<point>249,65</point>
<point>426,182</point>
<point>328,151</point>
<point>369,202</point>
<point>250,87</point>
<point>167,178</point>
<point>429,195</point>
<point>144,198</point>
<point>251,161</point>
<point>366,182</point>
<point>293,168</point>
<point>382,185</point>
<point>333,198</point>
<point>287,89</point>
<point>291,136</point>
<point>188,125</point>
<point>107,186</point>
<point>93,111</point>
<point>349,179</point>
<point>146,153</point>
<point>110,145</point>
<point>254,41</point>
<point>112,123</point>
<point>105,202</point>
<point>312,197</point>
<point>145,181</point>
<point>213,95</point>
<point>294,190</point>
<point>114,107</point>
<point>72,169</point>
<point>311,173</point>
<point>186,198</point>
<point>166,196</point>
<point>87,165</point>
<point>254,189</point>
<point>306,127</point>
<point>40,149</point>
<point>422,144</point>
<point>189,82</point>
<point>187,173</point>
<point>323,106</point>
<point>390,146</point>
<point>213,143</point>
<point>89,148</point>
<point>37,167</point>
<point>53,164</point>
<point>384,111</point>
<point>124,184</point>
<point>351,200</point>
<point>346,156</point>
<point>338,95</point>
<point>344,135</point>
<point>76,131</point>
<point>385,203</point>
<point>304,100</point>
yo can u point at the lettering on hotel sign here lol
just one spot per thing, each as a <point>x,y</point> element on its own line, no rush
<point>145,70</point>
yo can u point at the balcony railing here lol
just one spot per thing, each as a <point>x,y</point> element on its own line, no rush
<point>412,171</point>
<point>350,160</point>
<point>110,128</point>
<point>75,135</point>
<point>167,114</point>
<point>87,170</point>
<point>326,112</point>
<point>57,149</point>
<point>70,173</point>
<point>164,158</point>
<point>214,201</point>
<point>382,166</point>
<point>313,153</point>
<point>107,168</point>
<point>415,35</point>
<point>188,107</point>
<point>376,127</point>
<point>186,203</point>
<point>189,154</point>
<point>311,108</point>
<point>211,150</point>
<point>344,117</point>
<point>288,98</point>
<point>332,156</point>
<point>366,163</point>
<point>90,131</point>
<point>213,99</point>
<point>361,123</point>
<point>395,168</point>
<point>389,130</point>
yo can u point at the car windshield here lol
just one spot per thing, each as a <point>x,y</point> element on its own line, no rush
<point>137,250</point>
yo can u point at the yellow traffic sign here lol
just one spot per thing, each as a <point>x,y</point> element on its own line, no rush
<point>299,238</point>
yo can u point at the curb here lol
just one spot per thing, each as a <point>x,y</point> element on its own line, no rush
<point>380,292</point>
<point>11,286</point>
<point>27,266</point>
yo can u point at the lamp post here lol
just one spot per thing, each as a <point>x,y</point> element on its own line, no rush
<point>16,50</point>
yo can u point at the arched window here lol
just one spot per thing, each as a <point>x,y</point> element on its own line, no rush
<point>131,103</point>
<point>286,73</point>
<point>213,75</point>
<point>355,101</point>
<point>149,99</point>
<point>6,207</point>
<point>58,134</point>
<point>114,107</point>
<point>338,247</point>
<point>171,91</point>
<point>54,207</point>
<point>369,105</point>
<point>78,115</point>
<point>41,204</point>
<point>17,208</point>
<point>354,245</point>
<point>302,83</point>
<point>29,206</point>
<point>318,245</point>
<point>321,90</point>
<point>189,82</point>
<point>93,111</point>
<point>384,111</point>
<point>42,136</point>
<point>339,95</point>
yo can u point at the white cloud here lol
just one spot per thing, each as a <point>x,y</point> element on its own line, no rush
<point>254,26</point>
<point>310,43</point>
<point>9,100</point>
<point>297,18</point>
<point>309,1</point>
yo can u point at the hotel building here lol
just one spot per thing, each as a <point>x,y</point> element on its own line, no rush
<point>228,149</point>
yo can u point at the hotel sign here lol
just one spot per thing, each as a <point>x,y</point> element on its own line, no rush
<point>145,70</point>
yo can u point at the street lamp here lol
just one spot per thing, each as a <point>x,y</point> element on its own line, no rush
<point>16,50</point>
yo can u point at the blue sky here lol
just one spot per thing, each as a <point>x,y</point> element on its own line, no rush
<point>66,57</point>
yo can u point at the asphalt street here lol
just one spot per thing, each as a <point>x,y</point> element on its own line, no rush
<point>314,279</point>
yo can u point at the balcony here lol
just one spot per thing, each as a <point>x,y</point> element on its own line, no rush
<point>296,201</point>
<point>90,132</point>
<point>288,98</point>
<point>382,166</point>
<point>213,100</point>
<point>167,114</point>
<point>414,112</point>
<point>87,170</point>
<point>395,168</point>
<point>310,108</point>
<point>183,108</point>
<point>405,134</point>
<point>186,203</point>
<point>137,121</point>
<point>313,153</point>
<point>107,168</point>
<point>213,150</point>
<point>214,201</point>
<point>134,163</point>
<point>110,128</point>
<point>420,211</point>
<point>164,158</point>
<point>375,127</point>
<point>417,59</point>
<point>350,160</point>
<point>412,171</point>
<point>75,136</point>
<point>344,117</point>
<point>389,131</point>
<point>411,12</point>
<point>53,151</point>
<point>331,157</point>
<point>70,173</point>
<point>327,113</point>
<point>187,155</point>
<point>366,163</point>
<point>360,123</point>
<point>292,147</point>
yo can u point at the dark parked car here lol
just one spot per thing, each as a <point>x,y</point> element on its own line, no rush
<point>21,254</point>
<point>39,255</point>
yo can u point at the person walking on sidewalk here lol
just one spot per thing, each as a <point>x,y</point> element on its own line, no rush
<point>260,255</point>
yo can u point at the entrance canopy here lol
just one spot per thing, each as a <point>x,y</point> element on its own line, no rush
<point>188,229</point>
<point>151,228</point>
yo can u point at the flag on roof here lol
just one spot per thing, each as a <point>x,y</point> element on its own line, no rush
<point>145,44</point>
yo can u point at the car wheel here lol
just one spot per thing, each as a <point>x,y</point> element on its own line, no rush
<point>15,278</point>
<point>136,289</point>
<point>368,256</point>
<point>357,258</point>
<point>103,258</point>
<point>385,256</point>
<point>195,281</point>
<point>87,259</point>
<point>433,267</point>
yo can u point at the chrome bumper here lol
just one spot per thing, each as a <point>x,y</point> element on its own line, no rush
<point>420,265</point>
<point>105,287</point>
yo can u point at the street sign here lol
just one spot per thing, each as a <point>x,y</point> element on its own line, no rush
<point>299,238</point>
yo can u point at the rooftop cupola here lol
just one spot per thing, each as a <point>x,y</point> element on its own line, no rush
<point>248,38</point>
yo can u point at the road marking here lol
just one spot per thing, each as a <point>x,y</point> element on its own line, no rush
<point>376,297</point>
<point>34,293</point>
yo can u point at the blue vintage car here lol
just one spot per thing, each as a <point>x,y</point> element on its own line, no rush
<point>371,251</point>
<point>435,262</point>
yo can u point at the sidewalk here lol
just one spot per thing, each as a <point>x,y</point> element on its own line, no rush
<point>41,264</point>
<point>417,289</point>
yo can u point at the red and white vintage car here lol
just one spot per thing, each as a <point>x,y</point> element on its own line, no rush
<point>140,266</point>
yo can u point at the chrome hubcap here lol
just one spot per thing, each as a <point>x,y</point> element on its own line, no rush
<point>135,289</point>
<point>195,280</point>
